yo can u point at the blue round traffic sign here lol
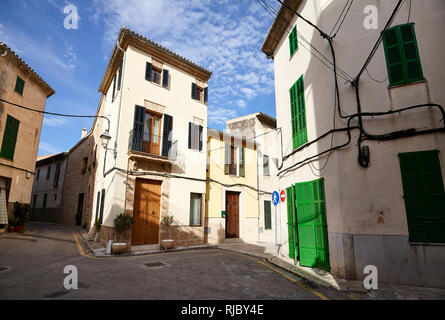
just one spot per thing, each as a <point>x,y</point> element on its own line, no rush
<point>275,198</point>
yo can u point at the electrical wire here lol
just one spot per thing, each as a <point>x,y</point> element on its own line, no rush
<point>344,17</point>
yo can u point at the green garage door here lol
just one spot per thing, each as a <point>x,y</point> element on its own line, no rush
<point>291,224</point>
<point>312,225</point>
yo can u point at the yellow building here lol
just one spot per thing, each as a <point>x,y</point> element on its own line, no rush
<point>232,197</point>
<point>19,129</point>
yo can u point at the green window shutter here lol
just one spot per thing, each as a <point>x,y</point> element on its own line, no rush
<point>298,114</point>
<point>267,215</point>
<point>293,41</point>
<point>402,55</point>
<point>424,196</point>
<point>312,225</point>
<point>10,138</point>
<point>291,223</point>
<point>19,85</point>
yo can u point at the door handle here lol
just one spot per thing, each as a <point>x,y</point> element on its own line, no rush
<point>153,213</point>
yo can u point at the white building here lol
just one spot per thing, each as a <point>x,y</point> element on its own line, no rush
<point>378,197</point>
<point>155,164</point>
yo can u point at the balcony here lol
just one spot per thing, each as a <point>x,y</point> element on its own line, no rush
<point>147,145</point>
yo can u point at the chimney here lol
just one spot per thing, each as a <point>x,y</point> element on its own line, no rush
<point>84,133</point>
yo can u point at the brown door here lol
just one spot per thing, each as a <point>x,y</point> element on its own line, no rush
<point>147,204</point>
<point>152,136</point>
<point>232,214</point>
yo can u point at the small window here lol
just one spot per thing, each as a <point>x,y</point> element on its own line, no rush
<point>19,85</point>
<point>402,55</point>
<point>234,163</point>
<point>195,136</point>
<point>38,174</point>
<point>84,164</point>
<point>45,198</point>
<point>267,215</point>
<point>55,196</point>
<point>195,209</point>
<point>199,93</point>
<point>266,170</point>
<point>48,173</point>
<point>293,41</point>
<point>156,75</point>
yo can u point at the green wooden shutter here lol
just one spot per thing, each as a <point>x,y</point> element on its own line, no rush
<point>312,225</point>
<point>19,85</point>
<point>166,138</point>
<point>293,41</point>
<point>138,128</point>
<point>267,215</point>
<point>298,114</point>
<point>291,223</point>
<point>402,55</point>
<point>165,78</point>
<point>148,71</point>
<point>10,138</point>
<point>424,196</point>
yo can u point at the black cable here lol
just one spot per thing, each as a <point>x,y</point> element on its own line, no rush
<point>56,114</point>
<point>344,17</point>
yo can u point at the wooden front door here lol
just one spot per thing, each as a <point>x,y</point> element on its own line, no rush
<point>232,214</point>
<point>147,205</point>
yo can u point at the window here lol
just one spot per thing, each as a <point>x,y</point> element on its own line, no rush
<point>10,138</point>
<point>19,85</point>
<point>267,215</point>
<point>298,114</point>
<point>155,75</point>
<point>195,136</point>
<point>195,209</point>
<point>424,196</point>
<point>200,94</point>
<point>84,164</point>
<point>38,174</point>
<point>114,88</point>
<point>402,55</point>
<point>45,197</point>
<point>234,159</point>
<point>293,41</point>
<point>34,201</point>
<point>48,173</point>
<point>55,196</point>
<point>266,170</point>
<point>56,176</point>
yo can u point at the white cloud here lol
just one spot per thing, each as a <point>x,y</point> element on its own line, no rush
<point>54,121</point>
<point>219,115</point>
<point>46,148</point>
<point>223,36</point>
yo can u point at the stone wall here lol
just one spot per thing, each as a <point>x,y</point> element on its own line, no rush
<point>79,180</point>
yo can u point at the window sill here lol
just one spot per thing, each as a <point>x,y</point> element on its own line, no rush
<point>157,84</point>
<point>201,102</point>
<point>406,84</point>
<point>426,244</point>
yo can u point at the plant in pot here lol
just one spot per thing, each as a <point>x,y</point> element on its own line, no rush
<point>21,214</point>
<point>97,226</point>
<point>12,223</point>
<point>122,223</point>
<point>167,243</point>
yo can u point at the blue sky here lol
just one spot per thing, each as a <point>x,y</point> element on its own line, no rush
<point>224,36</point>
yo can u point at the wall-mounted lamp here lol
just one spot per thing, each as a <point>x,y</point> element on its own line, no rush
<point>105,139</point>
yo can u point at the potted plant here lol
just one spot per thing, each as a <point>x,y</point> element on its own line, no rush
<point>21,213</point>
<point>12,223</point>
<point>167,243</point>
<point>122,223</point>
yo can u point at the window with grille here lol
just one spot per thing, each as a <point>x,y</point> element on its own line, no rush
<point>402,55</point>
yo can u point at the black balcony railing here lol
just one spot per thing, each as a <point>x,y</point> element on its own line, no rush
<point>152,144</point>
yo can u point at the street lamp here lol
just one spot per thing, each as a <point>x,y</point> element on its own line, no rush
<point>105,139</point>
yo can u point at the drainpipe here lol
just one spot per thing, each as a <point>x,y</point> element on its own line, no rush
<point>120,100</point>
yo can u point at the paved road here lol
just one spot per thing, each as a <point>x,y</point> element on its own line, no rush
<point>37,259</point>
<point>36,262</point>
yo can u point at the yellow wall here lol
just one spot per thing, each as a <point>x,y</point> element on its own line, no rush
<point>248,197</point>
